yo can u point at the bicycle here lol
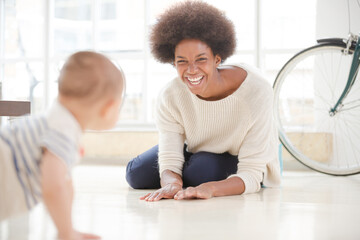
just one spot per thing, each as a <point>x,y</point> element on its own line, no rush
<point>317,106</point>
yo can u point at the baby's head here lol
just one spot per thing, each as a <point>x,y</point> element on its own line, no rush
<point>92,88</point>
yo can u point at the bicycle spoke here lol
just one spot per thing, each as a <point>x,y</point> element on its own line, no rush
<point>326,83</point>
<point>305,91</point>
<point>349,108</point>
<point>352,137</point>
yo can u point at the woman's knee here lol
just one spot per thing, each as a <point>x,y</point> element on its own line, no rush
<point>205,167</point>
<point>142,172</point>
<point>133,174</point>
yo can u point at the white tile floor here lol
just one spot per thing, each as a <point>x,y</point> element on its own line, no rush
<point>309,206</point>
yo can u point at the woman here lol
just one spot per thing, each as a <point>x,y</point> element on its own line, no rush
<point>216,132</point>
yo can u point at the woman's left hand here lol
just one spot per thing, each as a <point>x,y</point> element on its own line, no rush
<point>202,191</point>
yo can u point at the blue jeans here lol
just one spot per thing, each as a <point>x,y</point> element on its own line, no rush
<point>142,172</point>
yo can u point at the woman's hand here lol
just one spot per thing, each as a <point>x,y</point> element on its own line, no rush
<point>202,191</point>
<point>168,191</point>
<point>227,187</point>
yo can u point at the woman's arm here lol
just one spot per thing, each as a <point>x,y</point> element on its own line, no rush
<point>230,186</point>
<point>171,160</point>
<point>169,177</point>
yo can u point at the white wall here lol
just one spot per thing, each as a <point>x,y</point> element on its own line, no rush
<point>332,19</point>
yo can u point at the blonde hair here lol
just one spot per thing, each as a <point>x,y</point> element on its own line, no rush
<point>89,76</point>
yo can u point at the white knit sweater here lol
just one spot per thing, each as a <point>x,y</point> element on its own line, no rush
<point>240,124</point>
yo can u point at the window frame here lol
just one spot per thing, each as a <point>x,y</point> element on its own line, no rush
<point>143,123</point>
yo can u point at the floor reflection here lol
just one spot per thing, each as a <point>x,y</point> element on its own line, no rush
<point>309,205</point>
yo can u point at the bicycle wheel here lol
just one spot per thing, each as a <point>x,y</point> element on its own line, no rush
<point>305,90</point>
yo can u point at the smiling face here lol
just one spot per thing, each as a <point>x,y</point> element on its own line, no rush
<point>197,67</point>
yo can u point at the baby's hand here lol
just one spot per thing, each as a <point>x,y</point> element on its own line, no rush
<point>75,235</point>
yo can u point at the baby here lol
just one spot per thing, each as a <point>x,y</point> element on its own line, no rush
<point>38,152</point>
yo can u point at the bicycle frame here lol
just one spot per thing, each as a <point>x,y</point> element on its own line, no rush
<point>354,69</point>
<point>314,85</point>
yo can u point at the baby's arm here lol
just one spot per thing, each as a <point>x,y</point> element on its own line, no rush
<point>57,190</point>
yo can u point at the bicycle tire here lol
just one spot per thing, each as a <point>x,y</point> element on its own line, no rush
<point>305,89</point>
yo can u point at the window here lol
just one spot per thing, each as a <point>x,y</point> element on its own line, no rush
<point>36,37</point>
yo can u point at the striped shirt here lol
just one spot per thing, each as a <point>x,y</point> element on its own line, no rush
<point>58,131</point>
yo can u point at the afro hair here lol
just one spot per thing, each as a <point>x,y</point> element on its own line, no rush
<point>192,20</point>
